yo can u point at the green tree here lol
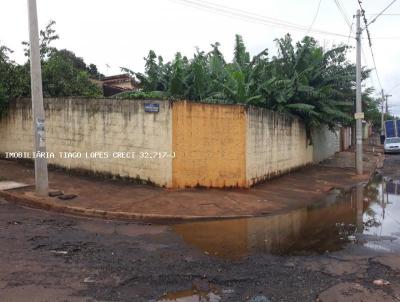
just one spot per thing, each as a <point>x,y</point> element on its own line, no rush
<point>198,79</point>
<point>46,38</point>
<point>65,75</point>
<point>151,80</point>
<point>241,56</point>
<point>177,85</point>
<point>304,79</point>
<point>14,80</point>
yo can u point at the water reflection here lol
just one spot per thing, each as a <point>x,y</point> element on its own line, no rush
<point>362,215</point>
<point>382,215</point>
<point>190,296</point>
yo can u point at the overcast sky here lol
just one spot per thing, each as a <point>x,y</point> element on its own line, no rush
<point>121,32</point>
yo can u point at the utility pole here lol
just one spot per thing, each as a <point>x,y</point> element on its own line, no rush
<point>387,106</point>
<point>41,174</point>
<point>358,115</point>
<point>387,113</point>
<point>383,114</point>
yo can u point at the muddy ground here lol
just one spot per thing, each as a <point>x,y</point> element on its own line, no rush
<point>51,257</point>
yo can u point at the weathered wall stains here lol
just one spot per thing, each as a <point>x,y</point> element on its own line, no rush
<point>215,145</point>
<point>276,143</point>
<point>210,145</point>
<point>345,138</point>
<point>16,130</point>
<point>325,143</point>
<point>97,125</point>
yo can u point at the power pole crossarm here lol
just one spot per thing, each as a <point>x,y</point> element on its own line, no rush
<point>41,174</point>
<point>359,147</point>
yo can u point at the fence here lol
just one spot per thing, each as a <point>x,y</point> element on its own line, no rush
<point>171,144</point>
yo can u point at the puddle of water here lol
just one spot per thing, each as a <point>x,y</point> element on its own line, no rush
<point>367,215</point>
<point>119,228</point>
<point>382,216</point>
<point>190,296</point>
<point>202,291</point>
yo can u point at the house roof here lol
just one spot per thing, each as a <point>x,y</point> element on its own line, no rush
<point>120,78</point>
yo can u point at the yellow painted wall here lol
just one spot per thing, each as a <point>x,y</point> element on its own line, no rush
<point>210,145</point>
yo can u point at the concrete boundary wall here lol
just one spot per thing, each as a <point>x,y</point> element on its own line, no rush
<point>325,143</point>
<point>209,145</point>
<point>209,142</point>
<point>276,144</point>
<point>345,138</point>
<point>99,130</point>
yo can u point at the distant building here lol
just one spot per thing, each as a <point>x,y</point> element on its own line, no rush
<point>118,83</point>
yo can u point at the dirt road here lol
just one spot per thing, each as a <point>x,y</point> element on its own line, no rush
<point>333,250</point>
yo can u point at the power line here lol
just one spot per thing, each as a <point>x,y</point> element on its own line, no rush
<point>213,7</point>
<point>394,87</point>
<point>251,17</point>
<point>315,17</point>
<point>383,14</point>
<point>376,70</point>
<point>342,12</point>
<point>387,38</point>
<point>351,30</point>
<point>373,20</point>
<point>206,4</point>
<point>370,43</point>
<point>366,63</point>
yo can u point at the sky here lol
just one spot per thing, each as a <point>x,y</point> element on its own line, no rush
<point>120,33</point>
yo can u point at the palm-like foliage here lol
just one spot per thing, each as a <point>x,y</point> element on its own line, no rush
<point>303,79</point>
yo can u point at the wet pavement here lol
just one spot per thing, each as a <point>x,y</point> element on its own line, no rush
<point>118,199</point>
<point>368,215</point>
<point>342,248</point>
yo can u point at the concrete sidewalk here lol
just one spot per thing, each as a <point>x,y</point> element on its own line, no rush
<point>122,200</point>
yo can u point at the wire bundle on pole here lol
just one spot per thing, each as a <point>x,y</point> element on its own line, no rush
<point>370,41</point>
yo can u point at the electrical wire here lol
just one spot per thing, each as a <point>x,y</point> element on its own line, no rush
<point>387,38</point>
<point>342,12</point>
<point>370,44</point>
<point>376,70</point>
<point>380,14</point>
<point>351,30</point>
<point>383,14</point>
<point>366,64</point>
<point>315,17</point>
<point>251,17</point>
<point>394,87</point>
<point>207,4</point>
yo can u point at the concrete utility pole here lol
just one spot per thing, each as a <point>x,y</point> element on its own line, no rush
<point>358,115</point>
<point>41,174</point>
<point>383,115</point>
<point>387,96</point>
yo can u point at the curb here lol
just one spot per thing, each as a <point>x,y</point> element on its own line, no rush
<point>48,205</point>
<point>39,203</point>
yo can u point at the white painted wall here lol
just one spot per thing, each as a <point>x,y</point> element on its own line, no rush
<point>325,143</point>
<point>275,144</point>
<point>97,125</point>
